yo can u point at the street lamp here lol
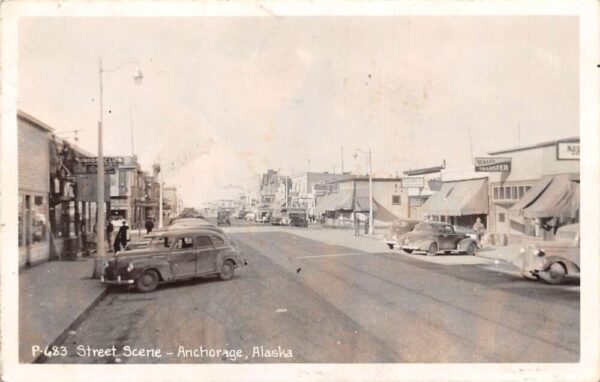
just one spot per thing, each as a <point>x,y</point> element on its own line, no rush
<point>370,188</point>
<point>101,224</point>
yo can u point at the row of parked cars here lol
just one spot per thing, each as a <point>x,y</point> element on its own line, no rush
<point>189,247</point>
<point>550,261</point>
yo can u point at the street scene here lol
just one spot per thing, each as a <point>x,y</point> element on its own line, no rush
<point>299,190</point>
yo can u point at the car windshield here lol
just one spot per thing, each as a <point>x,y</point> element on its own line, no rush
<point>423,227</point>
<point>159,242</point>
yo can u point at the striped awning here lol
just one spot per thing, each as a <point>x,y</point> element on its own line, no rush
<point>343,200</point>
<point>551,196</point>
<point>459,198</point>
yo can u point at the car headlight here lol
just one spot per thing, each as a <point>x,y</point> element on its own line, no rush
<point>130,267</point>
<point>538,252</point>
<point>522,250</point>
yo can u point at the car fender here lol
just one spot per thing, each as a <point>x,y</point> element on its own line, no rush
<point>464,244</point>
<point>161,266</point>
<point>423,245</point>
<point>229,255</point>
<point>549,260</point>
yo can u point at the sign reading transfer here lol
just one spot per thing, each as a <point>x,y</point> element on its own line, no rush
<point>492,164</point>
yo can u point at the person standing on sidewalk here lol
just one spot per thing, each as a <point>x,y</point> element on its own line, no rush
<point>83,234</point>
<point>356,225</point>
<point>367,226</point>
<point>109,229</point>
<point>149,225</point>
<point>479,229</point>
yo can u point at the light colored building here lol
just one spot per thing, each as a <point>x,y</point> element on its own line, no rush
<point>308,186</point>
<point>34,188</point>
<point>539,193</point>
<point>390,200</point>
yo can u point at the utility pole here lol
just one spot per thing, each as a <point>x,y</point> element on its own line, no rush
<point>342,160</point>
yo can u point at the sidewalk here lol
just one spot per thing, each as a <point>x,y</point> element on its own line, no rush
<point>54,297</point>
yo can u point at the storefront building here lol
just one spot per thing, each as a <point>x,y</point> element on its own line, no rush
<point>34,139</point>
<point>390,201</point>
<point>308,186</point>
<point>539,194</point>
<point>421,184</point>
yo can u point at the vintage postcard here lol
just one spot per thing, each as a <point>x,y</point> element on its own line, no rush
<point>310,190</point>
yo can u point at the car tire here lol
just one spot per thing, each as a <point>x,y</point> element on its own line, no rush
<point>432,250</point>
<point>227,270</point>
<point>409,251</point>
<point>471,248</point>
<point>147,282</point>
<point>555,274</point>
<point>391,246</point>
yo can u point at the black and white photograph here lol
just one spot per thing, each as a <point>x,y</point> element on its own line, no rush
<point>311,191</point>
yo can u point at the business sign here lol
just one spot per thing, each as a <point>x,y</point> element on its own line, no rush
<point>567,151</point>
<point>435,184</point>
<point>89,165</point>
<point>413,182</point>
<point>87,187</point>
<point>492,164</point>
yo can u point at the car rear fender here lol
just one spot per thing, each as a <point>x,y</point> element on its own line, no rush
<point>569,265</point>
<point>464,244</point>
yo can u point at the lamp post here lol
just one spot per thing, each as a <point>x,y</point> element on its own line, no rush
<point>370,188</point>
<point>101,224</point>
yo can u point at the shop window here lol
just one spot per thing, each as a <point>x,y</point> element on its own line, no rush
<point>508,194</point>
<point>521,191</point>
<point>501,218</point>
<point>396,199</point>
<point>527,188</point>
<point>39,219</point>
<point>501,196</point>
<point>496,192</point>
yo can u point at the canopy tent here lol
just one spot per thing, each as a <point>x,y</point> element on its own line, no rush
<point>551,196</point>
<point>458,198</point>
<point>343,200</point>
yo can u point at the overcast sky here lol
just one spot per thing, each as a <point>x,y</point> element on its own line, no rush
<point>224,99</point>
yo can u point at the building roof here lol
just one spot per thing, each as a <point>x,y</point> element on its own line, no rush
<point>28,117</point>
<point>423,171</point>
<point>534,146</point>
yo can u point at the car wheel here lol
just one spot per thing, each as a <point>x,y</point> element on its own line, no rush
<point>432,250</point>
<point>391,246</point>
<point>148,281</point>
<point>471,249</point>
<point>409,251</point>
<point>227,270</point>
<point>556,274</point>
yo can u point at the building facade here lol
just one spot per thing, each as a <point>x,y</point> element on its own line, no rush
<point>34,189</point>
<point>539,193</point>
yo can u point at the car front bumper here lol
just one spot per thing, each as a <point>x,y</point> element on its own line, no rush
<point>118,281</point>
<point>411,248</point>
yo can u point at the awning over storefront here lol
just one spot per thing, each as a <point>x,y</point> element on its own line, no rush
<point>343,201</point>
<point>465,197</point>
<point>551,196</point>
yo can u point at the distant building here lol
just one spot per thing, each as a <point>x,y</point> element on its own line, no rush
<point>390,200</point>
<point>308,186</point>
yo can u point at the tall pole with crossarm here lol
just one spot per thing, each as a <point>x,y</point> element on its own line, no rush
<point>101,222</point>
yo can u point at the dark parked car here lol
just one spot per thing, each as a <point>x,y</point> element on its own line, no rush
<point>433,238</point>
<point>174,255</point>
<point>223,218</point>
<point>177,224</point>
<point>552,261</point>
<point>399,228</point>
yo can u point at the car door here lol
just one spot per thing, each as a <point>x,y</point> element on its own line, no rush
<point>447,237</point>
<point>183,257</point>
<point>206,254</point>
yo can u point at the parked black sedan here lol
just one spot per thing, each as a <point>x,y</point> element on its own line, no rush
<point>433,238</point>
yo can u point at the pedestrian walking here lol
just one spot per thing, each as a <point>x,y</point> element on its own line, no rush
<point>149,225</point>
<point>84,239</point>
<point>479,229</point>
<point>124,234</point>
<point>109,230</point>
<point>366,226</point>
